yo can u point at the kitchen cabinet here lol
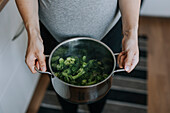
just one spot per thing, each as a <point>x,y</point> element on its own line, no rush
<point>17,83</point>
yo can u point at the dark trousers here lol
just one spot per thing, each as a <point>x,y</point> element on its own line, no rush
<point>113,39</point>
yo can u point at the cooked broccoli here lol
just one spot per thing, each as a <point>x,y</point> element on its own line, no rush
<point>61,61</point>
<point>58,66</point>
<point>69,61</point>
<point>91,83</point>
<point>78,71</point>
<point>84,81</point>
<point>54,59</point>
<point>84,58</point>
<point>84,64</point>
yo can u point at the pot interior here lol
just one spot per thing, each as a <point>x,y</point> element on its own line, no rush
<point>89,47</point>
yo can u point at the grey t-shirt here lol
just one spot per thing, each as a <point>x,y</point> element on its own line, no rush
<point>77,18</point>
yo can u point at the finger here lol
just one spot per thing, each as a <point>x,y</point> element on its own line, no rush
<point>119,58</point>
<point>30,61</point>
<point>41,61</point>
<point>37,65</point>
<point>122,61</point>
<point>128,61</point>
<point>135,61</point>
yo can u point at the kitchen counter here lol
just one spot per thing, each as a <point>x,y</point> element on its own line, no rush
<point>2,4</point>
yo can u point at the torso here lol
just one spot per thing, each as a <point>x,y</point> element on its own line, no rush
<point>77,18</point>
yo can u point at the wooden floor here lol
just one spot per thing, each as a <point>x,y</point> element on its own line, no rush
<point>158,32</point>
<point>2,4</point>
<point>38,94</point>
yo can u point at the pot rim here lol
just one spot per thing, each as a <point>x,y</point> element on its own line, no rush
<point>82,38</point>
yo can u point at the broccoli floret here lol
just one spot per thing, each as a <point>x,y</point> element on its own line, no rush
<point>84,81</point>
<point>105,75</point>
<point>99,78</point>
<point>99,63</point>
<point>80,73</point>
<point>91,63</point>
<point>84,58</point>
<point>84,64</point>
<point>73,68</point>
<point>54,66</point>
<point>64,73</point>
<point>61,61</point>
<point>66,79</point>
<point>59,67</point>
<point>57,74</point>
<point>92,82</point>
<point>69,61</point>
<point>54,59</point>
<point>91,77</point>
<point>68,71</point>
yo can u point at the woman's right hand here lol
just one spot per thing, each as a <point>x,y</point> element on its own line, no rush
<point>35,52</point>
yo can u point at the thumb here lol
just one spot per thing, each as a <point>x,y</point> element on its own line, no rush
<point>128,61</point>
<point>41,62</point>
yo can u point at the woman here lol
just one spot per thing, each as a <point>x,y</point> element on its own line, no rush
<point>76,18</point>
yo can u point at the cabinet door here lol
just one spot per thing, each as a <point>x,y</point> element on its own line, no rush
<point>1,109</point>
<point>10,20</point>
<point>11,58</point>
<point>12,100</point>
<point>19,90</point>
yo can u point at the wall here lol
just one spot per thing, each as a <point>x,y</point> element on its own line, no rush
<point>158,8</point>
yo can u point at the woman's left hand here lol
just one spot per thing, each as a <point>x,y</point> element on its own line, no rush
<point>129,57</point>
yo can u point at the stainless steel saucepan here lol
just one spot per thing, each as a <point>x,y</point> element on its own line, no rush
<point>94,49</point>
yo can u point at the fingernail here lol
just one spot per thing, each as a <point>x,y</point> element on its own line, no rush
<point>127,68</point>
<point>43,69</point>
<point>33,69</point>
<point>121,66</point>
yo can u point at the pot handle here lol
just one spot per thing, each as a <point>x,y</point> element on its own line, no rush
<point>41,72</point>
<point>118,70</point>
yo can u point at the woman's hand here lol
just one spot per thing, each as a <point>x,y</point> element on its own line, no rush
<point>129,57</point>
<point>35,52</point>
<point>29,13</point>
